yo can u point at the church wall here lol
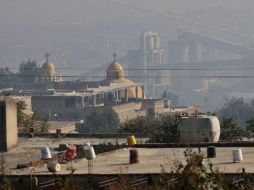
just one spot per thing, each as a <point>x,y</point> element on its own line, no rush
<point>45,106</point>
<point>129,110</point>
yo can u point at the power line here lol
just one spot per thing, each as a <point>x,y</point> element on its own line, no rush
<point>152,69</point>
<point>138,76</point>
<point>177,18</point>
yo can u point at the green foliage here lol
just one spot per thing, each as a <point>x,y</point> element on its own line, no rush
<point>21,116</point>
<point>231,131</point>
<point>26,121</point>
<point>140,124</point>
<point>44,125</point>
<point>100,120</point>
<point>192,175</point>
<point>250,125</point>
<point>161,129</point>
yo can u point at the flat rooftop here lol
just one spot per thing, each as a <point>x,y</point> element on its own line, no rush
<point>151,159</point>
<point>86,91</point>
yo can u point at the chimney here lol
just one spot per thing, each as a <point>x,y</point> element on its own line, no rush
<point>8,124</point>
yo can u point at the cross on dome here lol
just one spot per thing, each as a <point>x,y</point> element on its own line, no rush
<point>47,56</point>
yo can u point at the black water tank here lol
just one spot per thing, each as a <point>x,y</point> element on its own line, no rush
<point>211,152</point>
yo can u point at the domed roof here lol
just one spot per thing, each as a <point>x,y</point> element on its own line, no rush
<point>115,71</point>
<point>48,69</point>
<point>115,66</point>
<point>48,66</point>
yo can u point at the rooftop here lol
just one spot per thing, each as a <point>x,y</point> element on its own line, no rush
<point>151,159</point>
<point>87,91</point>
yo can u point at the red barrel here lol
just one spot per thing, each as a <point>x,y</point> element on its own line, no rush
<point>71,152</point>
<point>58,132</point>
<point>134,156</point>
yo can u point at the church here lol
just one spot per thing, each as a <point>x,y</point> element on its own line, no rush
<point>73,100</point>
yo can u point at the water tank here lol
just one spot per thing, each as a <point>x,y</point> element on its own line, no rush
<point>199,129</point>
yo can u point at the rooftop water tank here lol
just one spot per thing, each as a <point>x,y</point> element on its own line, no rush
<point>199,129</point>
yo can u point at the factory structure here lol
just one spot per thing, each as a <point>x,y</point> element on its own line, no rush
<point>148,55</point>
<point>192,66</point>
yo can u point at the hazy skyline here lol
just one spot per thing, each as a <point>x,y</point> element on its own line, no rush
<point>69,29</point>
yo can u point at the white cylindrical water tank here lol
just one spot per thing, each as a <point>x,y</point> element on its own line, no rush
<point>199,129</point>
<point>54,166</point>
<point>45,153</point>
<point>89,152</point>
<point>237,155</point>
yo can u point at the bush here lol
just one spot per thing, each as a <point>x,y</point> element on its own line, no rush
<point>231,131</point>
<point>100,120</point>
<point>161,129</point>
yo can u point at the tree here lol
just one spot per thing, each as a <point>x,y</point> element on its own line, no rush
<point>165,130</point>
<point>231,131</point>
<point>28,71</point>
<point>100,120</point>
<point>44,125</point>
<point>21,116</point>
<point>250,125</point>
<point>161,129</point>
<point>139,124</point>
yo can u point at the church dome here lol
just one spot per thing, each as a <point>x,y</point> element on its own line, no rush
<point>115,74</point>
<point>48,70</point>
<point>115,71</point>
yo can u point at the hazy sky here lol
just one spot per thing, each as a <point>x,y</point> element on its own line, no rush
<point>43,12</point>
<point>31,27</point>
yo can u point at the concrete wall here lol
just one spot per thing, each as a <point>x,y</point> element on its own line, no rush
<point>8,124</point>
<point>156,106</point>
<point>44,106</point>
<point>11,124</point>
<point>129,110</point>
<point>54,106</point>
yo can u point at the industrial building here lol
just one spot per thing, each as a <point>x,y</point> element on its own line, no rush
<point>139,61</point>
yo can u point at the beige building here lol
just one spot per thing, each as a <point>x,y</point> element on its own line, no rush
<point>8,124</point>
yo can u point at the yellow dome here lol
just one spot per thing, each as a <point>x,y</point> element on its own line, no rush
<point>48,70</point>
<point>115,71</point>
<point>48,66</point>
